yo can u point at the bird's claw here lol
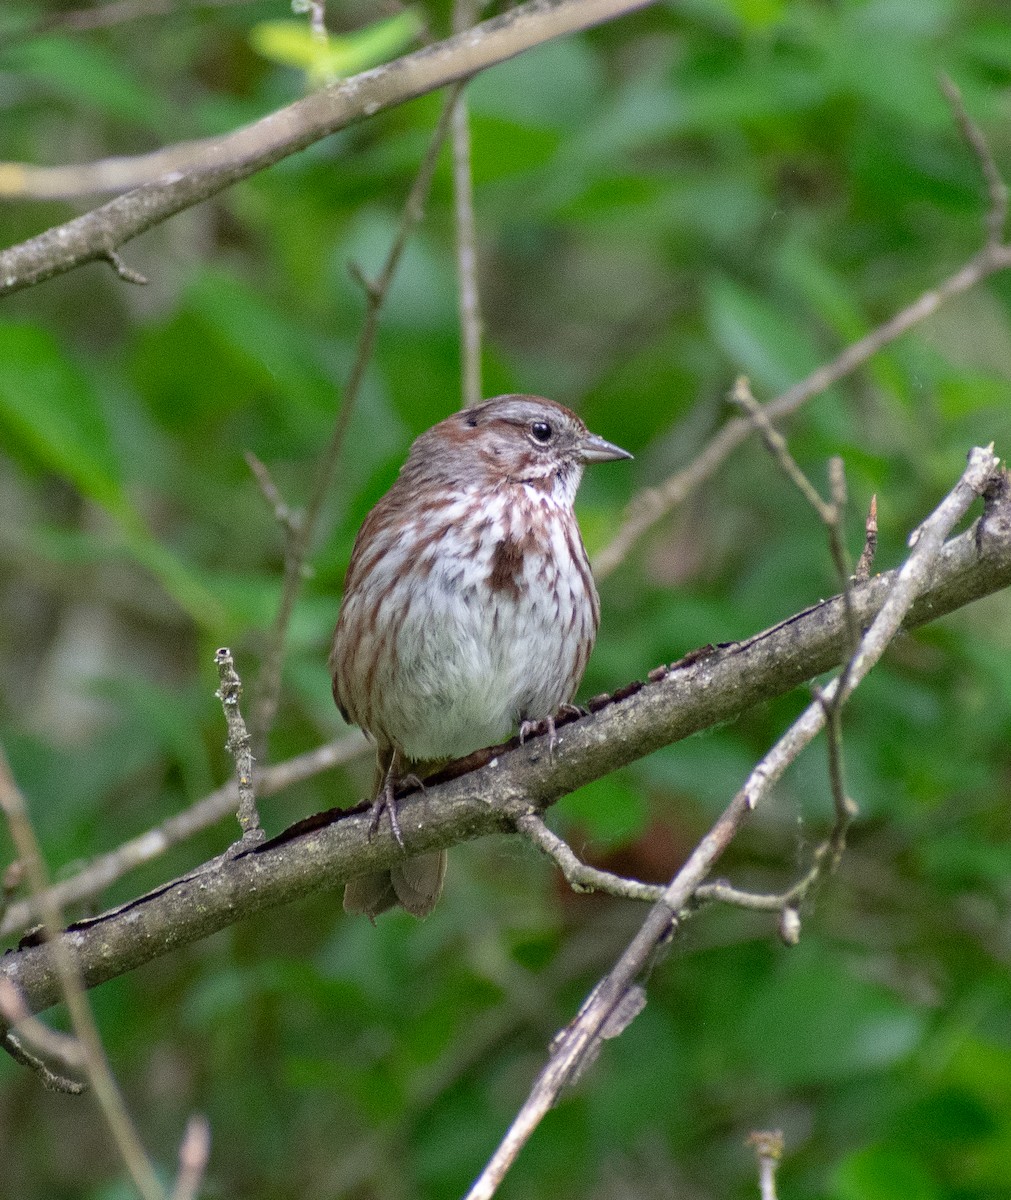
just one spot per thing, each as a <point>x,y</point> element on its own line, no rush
<point>386,800</point>
<point>533,727</point>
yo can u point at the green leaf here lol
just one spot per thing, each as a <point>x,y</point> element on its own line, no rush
<point>53,417</point>
<point>293,44</point>
<point>54,420</point>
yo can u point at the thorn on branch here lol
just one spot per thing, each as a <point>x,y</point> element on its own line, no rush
<point>862,571</point>
<point>128,274</point>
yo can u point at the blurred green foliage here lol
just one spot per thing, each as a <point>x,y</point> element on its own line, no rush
<point>700,189</point>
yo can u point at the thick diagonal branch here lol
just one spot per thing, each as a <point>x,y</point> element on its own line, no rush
<point>638,720</point>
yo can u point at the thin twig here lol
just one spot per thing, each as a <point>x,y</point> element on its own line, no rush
<point>268,690</point>
<point>775,443</point>
<point>577,1039</point>
<point>286,517</point>
<point>464,16</point>
<point>117,12</point>
<point>194,1152</point>
<point>46,1044</point>
<point>830,513</point>
<point>93,1059</point>
<point>845,807</point>
<point>768,1147</point>
<point>997,192</point>
<point>51,1042</point>
<point>317,17</point>
<point>10,880</point>
<point>51,1080</point>
<point>580,876</point>
<point>127,274</point>
<point>239,746</point>
<point>927,541</point>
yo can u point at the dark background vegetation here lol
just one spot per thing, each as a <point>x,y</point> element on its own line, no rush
<point>705,188</point>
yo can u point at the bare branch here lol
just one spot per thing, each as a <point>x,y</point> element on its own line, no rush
<point>581,877</point>
<point>216,164</point>
<point>104,870</point>
<point>653,504</point>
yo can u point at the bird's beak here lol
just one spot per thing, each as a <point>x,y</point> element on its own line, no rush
<point>593,449</point>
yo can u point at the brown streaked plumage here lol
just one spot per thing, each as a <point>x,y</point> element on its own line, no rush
<point>468,609</point>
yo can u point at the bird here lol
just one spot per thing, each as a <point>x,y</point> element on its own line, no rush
<point>469,609</point>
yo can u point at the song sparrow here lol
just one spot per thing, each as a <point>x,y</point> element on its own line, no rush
<point>468,607</point>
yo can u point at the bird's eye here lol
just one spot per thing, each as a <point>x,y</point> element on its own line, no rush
<point>541,432</point>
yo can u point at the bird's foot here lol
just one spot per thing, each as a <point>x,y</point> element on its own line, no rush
<point>533,728</point>
<point>386,800</point>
